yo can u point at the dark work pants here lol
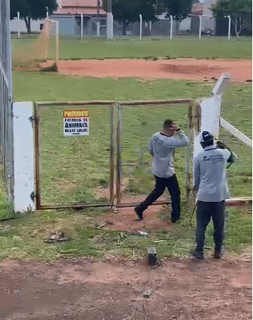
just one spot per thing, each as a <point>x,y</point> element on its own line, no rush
<point>161,184</point>
<point>206,211</point>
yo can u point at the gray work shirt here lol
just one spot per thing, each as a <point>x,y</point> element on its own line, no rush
<point>162,148</point>
<point>209,175</point>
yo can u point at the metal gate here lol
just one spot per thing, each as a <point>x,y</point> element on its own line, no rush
<point>145,121</point>
<point>73,168</point>
<point>55,177</point>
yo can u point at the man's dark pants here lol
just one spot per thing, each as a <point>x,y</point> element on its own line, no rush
<point>206,211</point>
<point>161,184</point>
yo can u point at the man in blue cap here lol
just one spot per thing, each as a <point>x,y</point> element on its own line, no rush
<point>211,186</point>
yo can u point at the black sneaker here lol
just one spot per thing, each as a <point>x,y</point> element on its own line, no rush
<point>139,214</point>
<point>218,253</point>
<point>175,220</point>
<point>199,255</point>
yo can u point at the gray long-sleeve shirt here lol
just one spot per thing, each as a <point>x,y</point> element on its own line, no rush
<point>162,147</point>
<point>209,175</point>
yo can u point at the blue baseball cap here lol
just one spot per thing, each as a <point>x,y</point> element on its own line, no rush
<point>206,136</point>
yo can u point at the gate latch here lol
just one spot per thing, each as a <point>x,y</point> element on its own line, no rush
<point>32,119</point>
<point>33,196</point>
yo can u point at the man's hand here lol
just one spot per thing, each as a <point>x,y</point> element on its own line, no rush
<point>175,127</point>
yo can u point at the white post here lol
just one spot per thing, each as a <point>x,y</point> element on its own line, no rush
<point>98,28</point>
<point>109,26</point>
<point>81,26</point>
<point>200,27</point>
<point>210,112</point>
<point>47,14</point>
<point>171,27</point>
<point>57,30</point>
<point>150,27</point>
<point>229,27</point>
<point>18,15</point>
<point>140,26</point>
<point>23,141</point>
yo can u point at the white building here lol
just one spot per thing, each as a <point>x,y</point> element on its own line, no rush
<point>206,7</point>
<point>19,25</point>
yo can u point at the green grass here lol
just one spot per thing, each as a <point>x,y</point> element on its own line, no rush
<point>207,48</point>
<point>73,168</point>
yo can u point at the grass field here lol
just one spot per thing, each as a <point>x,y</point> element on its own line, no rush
<point>207,48</point>
<point>73,169</point>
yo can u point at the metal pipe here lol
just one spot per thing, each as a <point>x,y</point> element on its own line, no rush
<point>57,51</point>
<point>107,103</point>
<point>18,16</point>
<point>188,152</point>
<point>109,19</point>
<point>81,26</point>
<point>74,103</point>
<point>112,152</point>
<point>119,155</point>
<point>140,26</point>
<point>155,102</point>
<point>98,18</point>
<point>229,27</point>
<point>200,27</point>
<point>150,28</point>
<point>171,27</point>
<point>134,204</point>
<point>74,206</point>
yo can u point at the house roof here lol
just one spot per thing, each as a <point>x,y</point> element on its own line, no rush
<point>89,7</point>
<point>197,9</point>
<point>79,3</point>
<point>86,7</point>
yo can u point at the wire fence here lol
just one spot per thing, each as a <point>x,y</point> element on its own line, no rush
<point>6,123</point>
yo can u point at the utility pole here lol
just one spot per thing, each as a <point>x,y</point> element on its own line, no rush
<point>109,20</point>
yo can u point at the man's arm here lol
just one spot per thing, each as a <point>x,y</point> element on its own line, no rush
<point>230,156</point>
<point>176,142</point>
<point>196,173</point>
<point>150,147</point>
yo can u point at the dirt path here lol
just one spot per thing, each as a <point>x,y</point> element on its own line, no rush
<point>182,69</point>
<point>85,290</point>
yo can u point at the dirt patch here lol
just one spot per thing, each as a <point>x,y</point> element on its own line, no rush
<point>182,69</point>
<point>182,290</point>
<point>157,217</point>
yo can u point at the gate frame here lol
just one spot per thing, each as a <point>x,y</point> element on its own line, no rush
<point>192,113</point>
<point>37,144</point>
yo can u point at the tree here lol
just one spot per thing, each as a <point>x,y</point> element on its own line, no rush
<point>128,11</point>
<point>239,10</point>
<point>32,9</point>
<point>179,9</point>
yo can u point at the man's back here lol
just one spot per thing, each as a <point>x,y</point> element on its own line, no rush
<point>210,175</point>
<point>162,149</point>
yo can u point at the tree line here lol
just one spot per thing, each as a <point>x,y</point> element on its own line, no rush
<point>128,11</point>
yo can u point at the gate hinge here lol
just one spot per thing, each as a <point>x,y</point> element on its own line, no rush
<point>33,196</point>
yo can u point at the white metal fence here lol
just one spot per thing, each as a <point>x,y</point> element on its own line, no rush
<point>6,119</point>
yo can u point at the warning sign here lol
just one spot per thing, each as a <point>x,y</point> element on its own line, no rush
<point>76,123</point>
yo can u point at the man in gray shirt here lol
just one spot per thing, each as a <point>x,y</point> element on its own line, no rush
<point>162,146</point>
<point>211,185</point>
